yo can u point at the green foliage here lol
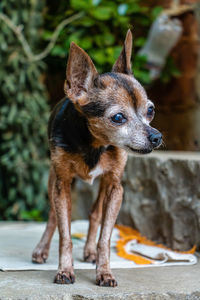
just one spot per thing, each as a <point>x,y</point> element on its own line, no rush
<point>101,31</point>
<point>23,99</point>
<point>23,118</point>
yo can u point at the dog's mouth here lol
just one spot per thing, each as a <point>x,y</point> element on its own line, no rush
<point>140,151</point>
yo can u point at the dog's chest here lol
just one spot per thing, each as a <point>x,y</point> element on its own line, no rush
<point>94,173</point>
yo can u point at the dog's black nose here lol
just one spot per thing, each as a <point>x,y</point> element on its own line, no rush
<point>155,138</point>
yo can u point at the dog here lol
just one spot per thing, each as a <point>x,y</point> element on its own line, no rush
<point>102,118</point>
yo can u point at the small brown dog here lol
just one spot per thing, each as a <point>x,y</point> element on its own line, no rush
<point>90,132</point>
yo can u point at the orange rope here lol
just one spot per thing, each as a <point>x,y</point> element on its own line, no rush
<point>127,234</point>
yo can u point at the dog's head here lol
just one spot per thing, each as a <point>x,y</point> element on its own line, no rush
<point>115,104</point>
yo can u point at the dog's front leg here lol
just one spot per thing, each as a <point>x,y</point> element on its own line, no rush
<point>62,200</point>
<point>111,206</point>
<point>95,219</point>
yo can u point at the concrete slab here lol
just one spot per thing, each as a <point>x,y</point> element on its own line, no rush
<point>17,241</point>
<point>162,283</point>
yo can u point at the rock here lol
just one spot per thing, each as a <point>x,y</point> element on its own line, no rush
<point>161,198</point>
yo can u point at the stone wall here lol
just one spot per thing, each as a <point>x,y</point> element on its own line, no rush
<point>161,198</point>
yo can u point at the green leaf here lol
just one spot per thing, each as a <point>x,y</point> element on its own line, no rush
<point>102,13</point>
<point>46,35</point>
<point>58,51</point>
<point>156,11</point>
<point>80,4</point>
<point>143,76</point>
<point>99,56</point>
<point>139,42</point>
<point>86,43</point>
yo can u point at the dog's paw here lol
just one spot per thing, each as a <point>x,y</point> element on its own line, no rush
<point>106,279</point>
<point>64,277</point>
<point>40,256</point>
<point>90,256</point>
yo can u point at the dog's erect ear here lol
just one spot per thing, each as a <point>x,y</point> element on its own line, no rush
<point>80,74</point>
<point>123,63</point>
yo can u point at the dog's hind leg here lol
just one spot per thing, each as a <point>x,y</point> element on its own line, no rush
<point>90,250</point>
<point>41,251</point>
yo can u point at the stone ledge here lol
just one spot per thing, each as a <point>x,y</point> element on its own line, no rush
<point>177,155</point>
<point>161,197</point>
<point>159,283</point>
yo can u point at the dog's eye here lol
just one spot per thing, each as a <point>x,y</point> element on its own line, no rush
<point>119,118</point>
<point>150,111</point>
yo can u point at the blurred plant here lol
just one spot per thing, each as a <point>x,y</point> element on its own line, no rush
<point>24,115</point>
<point>170,70</point>
<point>100,31</point>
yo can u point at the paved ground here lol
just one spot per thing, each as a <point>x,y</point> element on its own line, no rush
<point>161,283</point>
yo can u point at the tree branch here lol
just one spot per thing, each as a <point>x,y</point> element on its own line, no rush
<point>27,50</point>
<point>178,10</point>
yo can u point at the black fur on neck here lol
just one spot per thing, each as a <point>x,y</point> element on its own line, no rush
<point>68,129</point>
